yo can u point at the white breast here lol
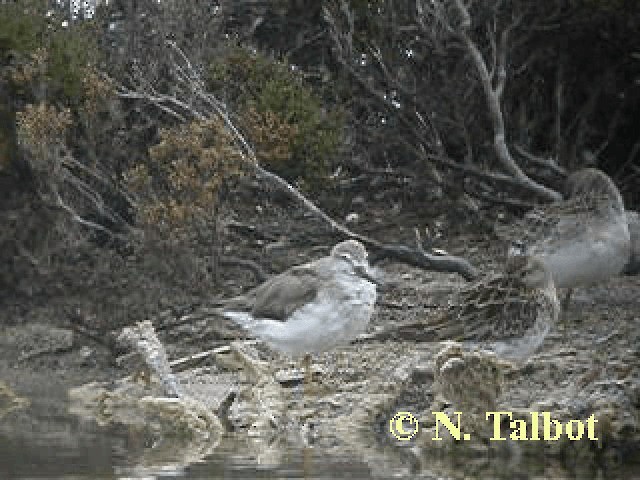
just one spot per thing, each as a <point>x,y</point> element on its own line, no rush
<point>589,259</point>
<point>338,315</point>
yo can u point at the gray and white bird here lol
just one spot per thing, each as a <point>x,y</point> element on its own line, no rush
<point>582,240</point>
<point>310,308</point>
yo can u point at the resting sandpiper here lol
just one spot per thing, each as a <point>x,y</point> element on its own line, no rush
<point>582,240</point>
<point>509,312</point>
<point>470,380</point>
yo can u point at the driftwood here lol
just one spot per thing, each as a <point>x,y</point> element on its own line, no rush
<point>199,104</point>
<point>417,257</point>
<point>142,339</point>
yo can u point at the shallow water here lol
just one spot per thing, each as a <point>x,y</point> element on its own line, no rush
<point>45,441</point>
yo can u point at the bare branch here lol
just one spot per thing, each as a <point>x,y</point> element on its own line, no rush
<point>580,120</point>
<point>495,114</point>
<point>429,125</point>
<point>465,21</point>
<point>195,88</point>
<point>611,130</point>
<point>633,153</point>
<point>542,162</point>
<point>74,216</point>
<point>491,34</point>
<point>501,69</point>
<point>559,97</point>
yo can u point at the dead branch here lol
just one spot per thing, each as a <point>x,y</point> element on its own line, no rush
<point>71,179</point>
<point>611,129</point>
<point>438,20</point>
<point>493,96</point>
<point>542,162</point>
<point>422,259</point>
<point>559,104</point>
<point>633,153</point>
<point>202,104</point>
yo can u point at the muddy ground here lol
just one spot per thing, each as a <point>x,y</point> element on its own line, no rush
<point>591,364</point>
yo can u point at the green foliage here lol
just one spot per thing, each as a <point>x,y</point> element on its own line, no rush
<point>7,138</point>
<point>41,63</point>
<point>22,26</point>
<point>27,34</point>
<point>70,53</point>
<point>282,116</point>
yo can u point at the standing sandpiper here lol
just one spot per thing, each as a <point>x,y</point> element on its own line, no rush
<point>313,307</point>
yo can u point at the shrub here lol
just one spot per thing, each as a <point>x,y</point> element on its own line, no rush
<point>187,167</point>
<point>42,50</point>
<point>293,134</point>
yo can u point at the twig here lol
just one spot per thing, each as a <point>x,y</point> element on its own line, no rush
<point>256,269</point>
<point>543,162</point>
<point>195,88</point>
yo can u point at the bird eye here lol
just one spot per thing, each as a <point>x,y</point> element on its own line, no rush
<point>348,258</point>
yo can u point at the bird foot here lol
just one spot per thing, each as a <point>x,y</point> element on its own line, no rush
<point>255,368</point>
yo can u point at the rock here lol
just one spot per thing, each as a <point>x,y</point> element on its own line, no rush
<point>9,401</point>
<point>422,374</point>
<point>35,339</point>
<point>178,430</point>
<point>471,380</point>
<point>87,355</point>
<point>291,377</point>
<point>142,339</point>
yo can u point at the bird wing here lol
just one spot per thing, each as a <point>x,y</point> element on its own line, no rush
<point>498,308</point>
<point>285,293</point>
<point>557,222</point>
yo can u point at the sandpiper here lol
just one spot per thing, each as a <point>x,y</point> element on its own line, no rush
<point>470,380</point>
<point>313,307</point>
<point>582,240</point>
<point>509,312</point>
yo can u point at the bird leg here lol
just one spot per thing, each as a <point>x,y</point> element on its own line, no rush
<point>564,309</point>
<point>341,363</point>
<point>308,373</point>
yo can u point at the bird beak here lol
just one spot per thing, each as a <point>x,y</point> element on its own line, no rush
<point>363,272</point>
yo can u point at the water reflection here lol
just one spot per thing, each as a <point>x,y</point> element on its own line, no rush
<point>44,441</point>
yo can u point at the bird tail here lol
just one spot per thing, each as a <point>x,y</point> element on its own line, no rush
<point>243,319</point>
<point>214,319</point>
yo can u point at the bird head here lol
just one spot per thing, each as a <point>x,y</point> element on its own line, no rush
<point>355,255</point>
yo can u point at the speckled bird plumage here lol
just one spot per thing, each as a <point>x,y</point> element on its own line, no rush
<point>582,240</point>
<point>510,312</point>
<point>472,380</point>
